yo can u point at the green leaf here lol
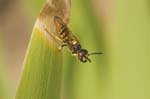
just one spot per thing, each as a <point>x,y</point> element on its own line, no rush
<point>42,72</point>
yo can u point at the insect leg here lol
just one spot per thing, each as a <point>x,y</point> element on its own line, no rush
<point>61,46</point>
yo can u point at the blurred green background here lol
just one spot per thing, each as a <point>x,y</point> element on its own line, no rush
<point>118,28</point>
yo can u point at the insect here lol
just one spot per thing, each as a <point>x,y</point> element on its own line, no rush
<point>69,39</point>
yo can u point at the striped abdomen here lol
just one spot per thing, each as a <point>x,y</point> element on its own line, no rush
<point>64,32</point>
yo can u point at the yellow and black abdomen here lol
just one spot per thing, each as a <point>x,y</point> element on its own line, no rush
<point>63,33</point>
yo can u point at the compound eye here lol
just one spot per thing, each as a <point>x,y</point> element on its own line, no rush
<point>82,58</point>
<point>82,55</point>
<point>77,47</point>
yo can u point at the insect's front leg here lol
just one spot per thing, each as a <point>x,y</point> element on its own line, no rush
<point>61,46</point>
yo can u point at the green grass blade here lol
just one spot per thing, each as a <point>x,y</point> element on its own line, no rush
<point>42,71</point>
<point>41,77</point>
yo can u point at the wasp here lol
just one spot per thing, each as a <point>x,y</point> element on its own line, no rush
<point>69,39</point>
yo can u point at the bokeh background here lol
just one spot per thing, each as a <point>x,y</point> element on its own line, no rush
<point>118,28</point>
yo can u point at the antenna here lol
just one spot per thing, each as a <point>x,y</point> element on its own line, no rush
<point>95,53</point>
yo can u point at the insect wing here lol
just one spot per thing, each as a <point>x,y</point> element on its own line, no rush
<point>58,23</point>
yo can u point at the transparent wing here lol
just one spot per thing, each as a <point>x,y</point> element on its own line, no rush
<point>60,26</point>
